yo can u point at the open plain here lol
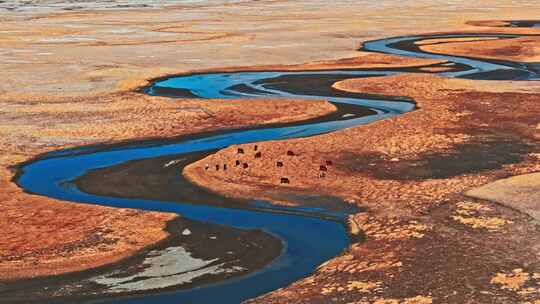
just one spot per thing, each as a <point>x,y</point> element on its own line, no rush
<point>72,76</point>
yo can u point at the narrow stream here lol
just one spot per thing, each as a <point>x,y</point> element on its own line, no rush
<point>310,236</point>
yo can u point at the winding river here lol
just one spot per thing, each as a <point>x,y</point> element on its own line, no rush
<point>310,236</point>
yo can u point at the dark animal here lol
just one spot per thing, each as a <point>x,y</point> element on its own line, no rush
<point>237,163</point>
<point>323,168</point>
<point>217,167</point>
<point>279,164</point>
<point>255,147</point>
<point>329,163</point>
<point>285,180</point>
<point>290,153</point>
<point>225,167</point>
<point>240,151</point>
<point>258,155</point>
<point>245,165</point>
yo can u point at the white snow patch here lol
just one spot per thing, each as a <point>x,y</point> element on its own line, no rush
<point>170,267</point>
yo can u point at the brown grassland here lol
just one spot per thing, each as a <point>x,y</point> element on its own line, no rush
<point>425,240</point>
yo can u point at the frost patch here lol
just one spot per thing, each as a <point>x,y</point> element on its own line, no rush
<point>163,268</point>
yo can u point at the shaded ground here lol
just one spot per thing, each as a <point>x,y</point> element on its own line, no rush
<point>483,152</point>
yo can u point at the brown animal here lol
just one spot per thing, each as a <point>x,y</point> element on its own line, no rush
<point>245,166</point>
<point>237,163</point>
<point>217,167</point>
<point>225,167</point>
<point>255,148</point>
<point>285,180</point>
<point>258,155</point>
<point>279,164</point>
<point>323,168</point>
<point>290,153</point>
<point>329,163</point>
<point>240,151</point>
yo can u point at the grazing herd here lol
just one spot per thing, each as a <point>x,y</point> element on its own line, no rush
<point>323,169</point>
